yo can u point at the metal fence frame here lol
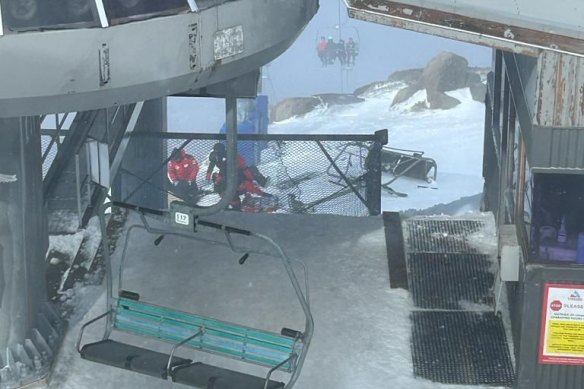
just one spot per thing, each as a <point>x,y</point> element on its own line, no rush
<point>372,198</point>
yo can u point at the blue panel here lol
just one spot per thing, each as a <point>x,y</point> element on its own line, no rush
<point>256,122</point>
<point>261,117</point>
<point>25,15</point>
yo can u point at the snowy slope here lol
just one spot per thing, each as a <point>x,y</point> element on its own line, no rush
<point>453,138</point>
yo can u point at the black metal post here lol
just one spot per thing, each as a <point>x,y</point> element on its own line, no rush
<point>373,174</point>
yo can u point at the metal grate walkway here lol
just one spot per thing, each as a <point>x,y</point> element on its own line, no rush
<point>461,348</point>
<point>441,236</point>
<point>450,281</point>
<point>456,337</point>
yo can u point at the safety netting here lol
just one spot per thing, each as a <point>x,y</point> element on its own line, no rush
<point>324,174</point>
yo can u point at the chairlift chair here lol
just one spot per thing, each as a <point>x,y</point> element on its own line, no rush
<point>409,163</point>
<point>128,313</point>
<point>337,33</point>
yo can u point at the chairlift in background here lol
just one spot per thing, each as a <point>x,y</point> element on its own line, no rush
<point>339,43</point>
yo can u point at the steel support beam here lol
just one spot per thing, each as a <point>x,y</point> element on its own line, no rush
<point>25,319</point>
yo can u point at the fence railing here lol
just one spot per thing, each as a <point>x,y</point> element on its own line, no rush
<point>332,174</point>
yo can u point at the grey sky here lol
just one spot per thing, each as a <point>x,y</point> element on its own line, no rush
<point>298,71</point>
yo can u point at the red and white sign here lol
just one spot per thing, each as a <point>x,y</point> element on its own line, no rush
<point>562,325</point>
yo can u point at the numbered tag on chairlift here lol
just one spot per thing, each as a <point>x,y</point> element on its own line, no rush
<point>183,219</point>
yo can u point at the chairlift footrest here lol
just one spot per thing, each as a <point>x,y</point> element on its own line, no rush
<point>205,376</point>
<point>128,357</point>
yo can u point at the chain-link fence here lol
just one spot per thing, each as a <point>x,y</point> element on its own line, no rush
<point>276,173</point>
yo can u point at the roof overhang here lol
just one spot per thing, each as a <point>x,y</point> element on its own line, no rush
<point>520,26</point>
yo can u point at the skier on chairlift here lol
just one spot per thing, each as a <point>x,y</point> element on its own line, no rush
<point>331,50</point>
<point>321,50</point>
<point>352,51</point>
<point>341,52</point>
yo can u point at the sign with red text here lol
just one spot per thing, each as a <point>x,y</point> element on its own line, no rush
<point>562,325</point>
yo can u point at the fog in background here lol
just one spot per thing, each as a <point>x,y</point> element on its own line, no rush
<point>298,72</point>
<point>383,49</point>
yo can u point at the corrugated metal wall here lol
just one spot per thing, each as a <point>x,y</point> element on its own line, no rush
<point>557,148</point>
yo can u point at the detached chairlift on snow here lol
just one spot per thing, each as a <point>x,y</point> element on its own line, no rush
<point>408,163</point>
<point>128,313</point>
<point>351,158</point>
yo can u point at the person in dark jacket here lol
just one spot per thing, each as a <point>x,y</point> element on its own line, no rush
<point>331,50</point>
<point>352,51</point>
<point>218,158</point>
<point>341,52</point>
<point>249,178</point>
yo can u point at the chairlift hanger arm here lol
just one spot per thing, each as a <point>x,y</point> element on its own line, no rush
<point>229,229</point>
<point>309,324</point>
<point>165,216</point>
<point>80,336</point>
<point>141,210</point>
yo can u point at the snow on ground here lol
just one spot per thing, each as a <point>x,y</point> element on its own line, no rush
<point>453,138</point>
<point>362,326</point>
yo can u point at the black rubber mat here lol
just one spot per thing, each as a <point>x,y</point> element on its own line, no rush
<point>396,256</point>
<point>441,236</point>
<point>466,348</point>
<point>450,281</point>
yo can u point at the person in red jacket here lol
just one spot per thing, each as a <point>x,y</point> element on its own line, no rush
<point>182,174</point>
<point>321,50</point>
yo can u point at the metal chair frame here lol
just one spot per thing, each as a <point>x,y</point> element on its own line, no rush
<point>293,363</point>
